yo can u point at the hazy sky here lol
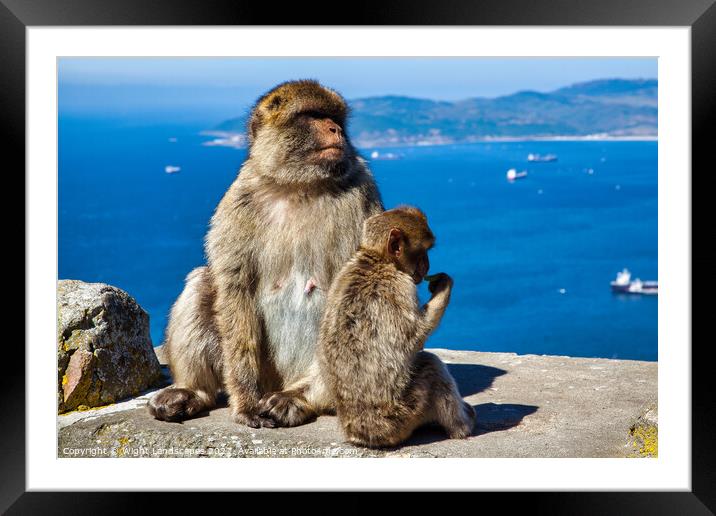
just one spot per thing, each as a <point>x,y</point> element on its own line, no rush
<point>214,86</point>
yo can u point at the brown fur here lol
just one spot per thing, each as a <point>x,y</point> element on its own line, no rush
<point>372,336</point>
<point>288,222</point>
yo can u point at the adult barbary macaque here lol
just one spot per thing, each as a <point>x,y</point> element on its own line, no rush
<point>247,322</point>
<point>372,336</point>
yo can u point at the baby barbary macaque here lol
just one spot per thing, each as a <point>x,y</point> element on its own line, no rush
<point>372,335</point>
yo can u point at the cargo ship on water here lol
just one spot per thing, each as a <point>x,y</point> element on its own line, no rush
<point>512,175</point>
<point>388,156</point>
<point>545,158</point>
<point>624,285</point>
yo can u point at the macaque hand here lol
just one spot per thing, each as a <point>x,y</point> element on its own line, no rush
<point>439,282</point>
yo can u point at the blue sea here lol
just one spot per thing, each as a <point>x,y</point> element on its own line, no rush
<point>532,260</point>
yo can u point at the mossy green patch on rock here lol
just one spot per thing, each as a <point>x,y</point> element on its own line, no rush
<point>77,339</point>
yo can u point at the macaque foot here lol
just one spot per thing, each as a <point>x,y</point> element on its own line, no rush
<point>253,420</point>
<point>286,408</point>
<point>465,425</point>
<point>176,404</point>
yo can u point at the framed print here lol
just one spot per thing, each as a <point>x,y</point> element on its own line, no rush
<point>421,249</point>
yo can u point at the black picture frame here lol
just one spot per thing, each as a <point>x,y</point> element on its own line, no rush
<point>699,15</point>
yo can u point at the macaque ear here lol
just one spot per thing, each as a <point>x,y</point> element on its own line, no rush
<point>395,242</point>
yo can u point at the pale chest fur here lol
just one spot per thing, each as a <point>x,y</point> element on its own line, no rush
<point>305,245</point>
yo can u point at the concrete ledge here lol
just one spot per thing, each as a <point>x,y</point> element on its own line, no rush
<point>527,406</point>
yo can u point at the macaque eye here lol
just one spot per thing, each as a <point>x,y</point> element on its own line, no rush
<point>310,115</point>
<point>314,114</point>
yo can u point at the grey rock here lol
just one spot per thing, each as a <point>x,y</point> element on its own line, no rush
<point>527,406</point>
<point>104,351</point>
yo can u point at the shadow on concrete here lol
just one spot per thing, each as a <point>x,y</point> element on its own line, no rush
<point>473,378</point>
<point>490,417</point>
<point>470,378</point>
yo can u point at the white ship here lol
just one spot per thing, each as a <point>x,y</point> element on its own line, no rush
<point>388,156</point>
<point>624,285</point>
<point>539,157</point>
<point>170,169</point>
<point>512,174</point>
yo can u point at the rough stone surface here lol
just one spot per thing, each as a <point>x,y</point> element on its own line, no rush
<point>104,351</point>
<point>527,406</point>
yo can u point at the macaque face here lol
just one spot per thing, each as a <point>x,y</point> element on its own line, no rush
<point>422,266</point>
<point>323,139</point>
<point>297,134</point>
<point>409,257</point>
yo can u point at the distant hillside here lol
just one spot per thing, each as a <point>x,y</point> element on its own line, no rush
<point>602,108</point>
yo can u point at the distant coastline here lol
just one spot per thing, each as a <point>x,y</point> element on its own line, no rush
<point>573,138</point>
<point>238,140</point>
<point>600,110</point>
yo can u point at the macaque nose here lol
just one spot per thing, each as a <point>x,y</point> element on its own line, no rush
<point>332,126</point>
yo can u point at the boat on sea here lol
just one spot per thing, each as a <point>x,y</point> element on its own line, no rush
<point>170,169</point>
<point>388,156</point>
<point>541,158</point>
<point>512,174</point>
<point>624,285</point>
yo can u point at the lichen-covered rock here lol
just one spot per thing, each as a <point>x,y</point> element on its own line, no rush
<point>644,433</point>
<point>104,351</point>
